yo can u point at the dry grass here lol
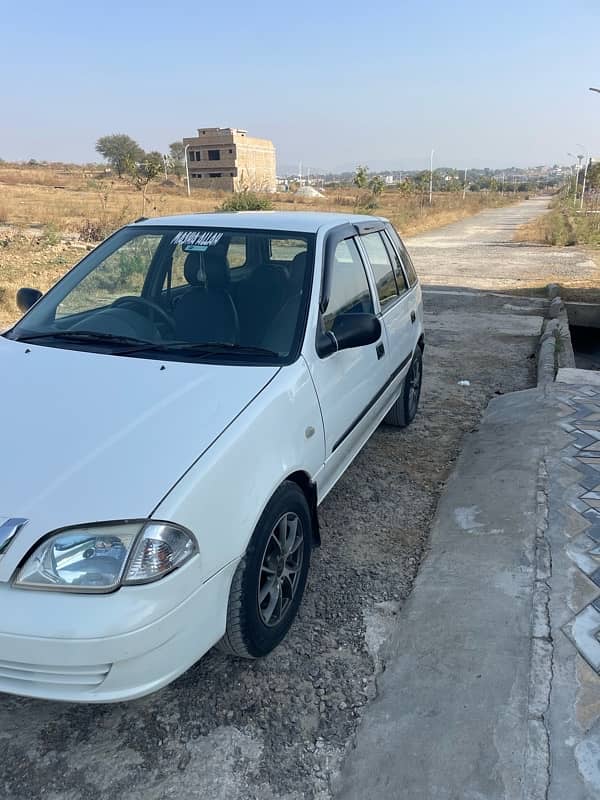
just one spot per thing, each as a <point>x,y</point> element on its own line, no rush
<point>48,213</point>
<point>552,228</point>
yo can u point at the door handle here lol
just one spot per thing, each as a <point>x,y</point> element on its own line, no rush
<point>413,317</point>
<point>380,350</point>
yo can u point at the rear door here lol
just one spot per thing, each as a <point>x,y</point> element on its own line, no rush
<point>408,283</point>
<point>395,303</point>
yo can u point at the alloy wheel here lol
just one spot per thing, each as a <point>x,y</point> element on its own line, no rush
<point>280,569</point>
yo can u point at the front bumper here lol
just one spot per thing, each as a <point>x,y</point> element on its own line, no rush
<point>102,664</point>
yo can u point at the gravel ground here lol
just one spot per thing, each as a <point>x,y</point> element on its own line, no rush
<point>280,727</point>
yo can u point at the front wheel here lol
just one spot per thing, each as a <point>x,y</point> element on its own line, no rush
<point>405,408</point>
<point>269,582</point>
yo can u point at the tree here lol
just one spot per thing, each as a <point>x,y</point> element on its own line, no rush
<point>593,176</point>
<point>119,150</point>
<point>177,154</point>
<point>361,177</point>
<point>142,173</point>
<point>177,151</point>
<point>376,185</point>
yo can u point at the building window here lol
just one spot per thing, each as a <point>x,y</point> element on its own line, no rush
<point>231,174</point>
<point>192,155</point>
<point>214,155</point>
<point>230,150</point>
<point>215,174</point>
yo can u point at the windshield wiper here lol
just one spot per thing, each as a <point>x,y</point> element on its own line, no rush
<point>204,349</point>
<point>84,336</point>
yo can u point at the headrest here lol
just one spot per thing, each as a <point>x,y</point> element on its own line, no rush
<point>296,271</point>
<point>192,269</point>
<point>216,269</point>
<point>208,268</point>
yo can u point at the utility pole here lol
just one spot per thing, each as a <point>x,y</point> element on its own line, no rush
<point>465,185</point>
<point>503,177</point>
<point>431,178</point>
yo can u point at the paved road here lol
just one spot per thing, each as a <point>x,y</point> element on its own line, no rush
<point>479,253</point>
<point>279,728</point>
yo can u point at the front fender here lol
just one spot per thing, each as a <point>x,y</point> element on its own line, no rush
<point>221,497</point>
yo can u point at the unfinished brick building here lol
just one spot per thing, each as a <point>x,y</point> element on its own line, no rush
<point>227,158</point>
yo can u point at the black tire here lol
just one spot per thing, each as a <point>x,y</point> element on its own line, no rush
<point>250,631</point>
<point>405,408</point>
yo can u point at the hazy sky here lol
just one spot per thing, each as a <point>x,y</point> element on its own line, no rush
<point>331,83</point>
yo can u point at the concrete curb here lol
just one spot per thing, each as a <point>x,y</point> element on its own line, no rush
<point>555,350</point>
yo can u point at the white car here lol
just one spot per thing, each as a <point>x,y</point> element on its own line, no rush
<point>174,410</point>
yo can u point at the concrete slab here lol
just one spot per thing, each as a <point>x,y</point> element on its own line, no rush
<point>452,717</point>
<point>583,377</point>
<point>492,680</point>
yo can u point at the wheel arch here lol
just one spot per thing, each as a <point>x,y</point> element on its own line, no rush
<point>309,488</point>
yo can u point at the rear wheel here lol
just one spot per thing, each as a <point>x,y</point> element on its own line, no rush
<point>405,408</point>
<point>269,582</point>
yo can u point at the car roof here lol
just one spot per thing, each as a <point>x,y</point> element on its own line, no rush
<point>298,221</point>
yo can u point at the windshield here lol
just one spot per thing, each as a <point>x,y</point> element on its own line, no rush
<point>187,293</point>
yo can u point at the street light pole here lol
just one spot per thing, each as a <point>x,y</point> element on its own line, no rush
<point>582,148</point>
<point>465,185</point>
<point>587,161</point>
<point>187,168</point>
<point>431,178</point>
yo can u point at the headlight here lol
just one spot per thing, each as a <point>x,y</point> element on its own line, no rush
<point>100,558</point>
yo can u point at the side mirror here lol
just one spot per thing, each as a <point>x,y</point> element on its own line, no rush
<point>349,330</point>
<point>26,298</point>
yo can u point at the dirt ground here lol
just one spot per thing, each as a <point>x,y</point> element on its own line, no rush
<point>279,728</point>
<point>48,215</point>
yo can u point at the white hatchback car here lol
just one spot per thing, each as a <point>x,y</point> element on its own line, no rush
<point>175,409</point>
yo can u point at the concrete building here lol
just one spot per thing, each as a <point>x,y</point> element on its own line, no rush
<point>227,158</point>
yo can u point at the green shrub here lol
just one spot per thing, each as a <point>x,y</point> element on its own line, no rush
<point>51,234</point>
<point>246,201</point>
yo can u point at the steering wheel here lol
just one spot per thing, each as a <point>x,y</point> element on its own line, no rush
<point>130,300</point>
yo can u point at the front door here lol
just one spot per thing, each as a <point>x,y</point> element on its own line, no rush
<point>348,382</point>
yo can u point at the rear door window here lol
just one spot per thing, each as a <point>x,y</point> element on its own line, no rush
<point>406,260</point>
<point>285,250</point>
<point>399,272</point>
<point>382,268</point>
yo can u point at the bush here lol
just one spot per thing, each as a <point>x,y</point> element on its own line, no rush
<point>95,230</point>
<point>51,234</point>
<point>553,228</point>
<point>246,201</point>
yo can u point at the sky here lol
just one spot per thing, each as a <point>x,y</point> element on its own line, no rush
<point>333,84</point>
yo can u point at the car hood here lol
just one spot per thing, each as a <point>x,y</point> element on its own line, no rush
<point>88,437</point>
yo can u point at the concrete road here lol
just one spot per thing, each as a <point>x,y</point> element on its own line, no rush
<point>279,728</point>
<point>479,253</point>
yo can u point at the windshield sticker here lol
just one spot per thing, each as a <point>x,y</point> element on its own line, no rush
<point>205,238</point>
